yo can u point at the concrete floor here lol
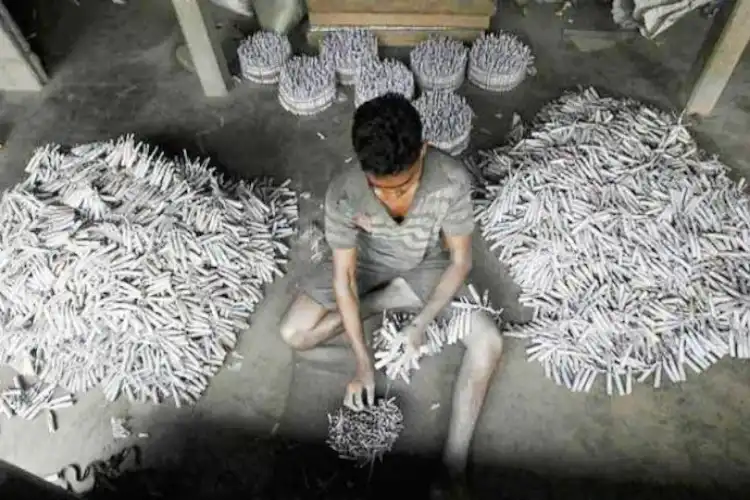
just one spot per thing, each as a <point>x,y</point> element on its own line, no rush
<point>113,72</point>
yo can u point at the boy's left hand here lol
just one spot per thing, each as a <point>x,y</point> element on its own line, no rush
<point>415,339</point>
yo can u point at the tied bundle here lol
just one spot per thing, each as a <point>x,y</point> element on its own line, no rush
<point>439,63</point>
<point>307,85</point>
<point>446,120</point>
<point>348,50</point>
<point>262,55</point>
<point>499,62</point>
<point>383,77</point>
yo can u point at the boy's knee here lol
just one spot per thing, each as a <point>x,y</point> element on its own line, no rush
<point>292,336</point>
<point>485,336</point>
<point>298,322</point>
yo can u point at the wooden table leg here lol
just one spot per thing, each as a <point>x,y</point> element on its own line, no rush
<point>20,68</point>
<point>723,58</point>
<point>201,38</point>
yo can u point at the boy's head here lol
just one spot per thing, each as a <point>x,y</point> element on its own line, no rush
<point>387,137</point>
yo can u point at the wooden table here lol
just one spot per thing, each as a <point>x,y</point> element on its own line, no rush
<point>721,52</point>
<point>402,22</point>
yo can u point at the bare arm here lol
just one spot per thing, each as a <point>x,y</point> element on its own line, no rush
<point>451,281</point>
<point>456,228</point>
<point>347,300</point>
<point>341,234</point>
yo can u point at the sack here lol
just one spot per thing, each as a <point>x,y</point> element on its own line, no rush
<point>653,17</point>
<point>280,16</point>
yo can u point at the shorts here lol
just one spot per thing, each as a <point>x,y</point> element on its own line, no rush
<point>422,280</point>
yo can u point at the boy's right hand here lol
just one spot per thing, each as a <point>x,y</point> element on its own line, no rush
<point>361,390</point>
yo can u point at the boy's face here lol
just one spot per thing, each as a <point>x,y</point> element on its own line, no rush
<point>399,182</point>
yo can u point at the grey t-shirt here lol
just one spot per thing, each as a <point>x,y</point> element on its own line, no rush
<point>354,217</point>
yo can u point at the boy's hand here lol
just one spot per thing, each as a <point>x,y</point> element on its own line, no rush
<point>415,338</point>
<point>363,382</point>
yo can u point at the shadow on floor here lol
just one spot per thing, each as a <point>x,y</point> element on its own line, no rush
<point>222,462</point>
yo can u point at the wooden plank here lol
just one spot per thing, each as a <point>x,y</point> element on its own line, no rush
<point>398,19</point>
<point>403,37</point>
<point>724,56</point>
<point>200,34</point>
<point>461,7</point>
<point>20,68</point>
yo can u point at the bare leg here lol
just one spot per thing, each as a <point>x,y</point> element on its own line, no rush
<point>308,324</point>
<point>484,346</point>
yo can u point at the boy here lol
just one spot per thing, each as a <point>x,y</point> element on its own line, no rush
<point>402,219</point>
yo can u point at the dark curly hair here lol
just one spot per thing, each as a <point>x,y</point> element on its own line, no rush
<point>387,135</point>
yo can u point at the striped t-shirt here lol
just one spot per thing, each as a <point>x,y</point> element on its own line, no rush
<point>354,217</point>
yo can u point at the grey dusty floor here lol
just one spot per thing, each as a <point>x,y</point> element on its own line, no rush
<point>113,72</point>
